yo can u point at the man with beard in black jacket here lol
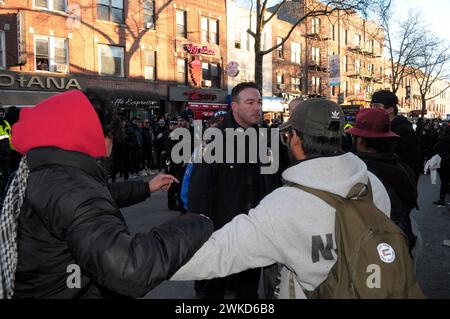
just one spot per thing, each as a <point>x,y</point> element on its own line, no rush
<point>73,241</point>
<point>224,190</point>
<point>372,139</point>
<point>407,146</point>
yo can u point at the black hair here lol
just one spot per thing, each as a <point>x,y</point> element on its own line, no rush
<point>380,145</point>
<point>12,115</point>
<point>107,114</point>
<point>387,98</point>
<point>314,146</point>
<point>241,87</point>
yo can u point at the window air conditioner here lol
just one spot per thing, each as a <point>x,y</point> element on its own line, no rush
<point>149,25</point>
<point>206,83</point>
<point>61,68</point>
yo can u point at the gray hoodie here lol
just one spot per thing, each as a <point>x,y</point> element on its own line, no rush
<point>289,226</point>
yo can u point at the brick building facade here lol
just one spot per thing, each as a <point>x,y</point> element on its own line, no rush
<point>127,49</point>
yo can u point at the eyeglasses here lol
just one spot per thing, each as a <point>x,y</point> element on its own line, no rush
<point>377,105</point>
<point>284,137</point>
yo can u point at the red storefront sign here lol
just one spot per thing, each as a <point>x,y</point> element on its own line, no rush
<point>193,49</point>
<point>201,110</point>
<point>197,96</point>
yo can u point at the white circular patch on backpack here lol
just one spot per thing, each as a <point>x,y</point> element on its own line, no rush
<point>386,252</point>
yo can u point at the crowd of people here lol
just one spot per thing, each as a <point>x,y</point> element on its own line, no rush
<point>236,224</point>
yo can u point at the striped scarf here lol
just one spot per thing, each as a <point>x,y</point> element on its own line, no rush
<point>9,216</point>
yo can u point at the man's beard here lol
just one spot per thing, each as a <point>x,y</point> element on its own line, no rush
<point>291,155</point>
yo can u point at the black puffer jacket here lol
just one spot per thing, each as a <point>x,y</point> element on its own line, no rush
<point>398,179</point>
<point>71,217</point>
<point>407,146</point>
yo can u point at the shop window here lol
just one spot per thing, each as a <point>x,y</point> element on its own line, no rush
<point>149,14</point>
<point>53,5</point>
<point>2,50</point>
<point>295,52</point>
<point>150,65</point>
<point>210,75</point>
<point>181,23</point>
<point>51,54</point>
<point>181,71</point>
<point>111,60</point>
<point>110,10</point>
<point>210,29</point>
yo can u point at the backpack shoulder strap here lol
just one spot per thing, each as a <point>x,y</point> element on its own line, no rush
<point>357,191</point>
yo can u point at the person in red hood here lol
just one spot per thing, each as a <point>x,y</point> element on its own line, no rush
<point>72,240</point>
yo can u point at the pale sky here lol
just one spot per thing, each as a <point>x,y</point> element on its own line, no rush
<point>435,12</point>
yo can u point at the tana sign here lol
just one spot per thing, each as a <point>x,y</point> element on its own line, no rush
<point>34,81</point>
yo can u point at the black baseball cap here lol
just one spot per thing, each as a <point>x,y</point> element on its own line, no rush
<point>316,117</point>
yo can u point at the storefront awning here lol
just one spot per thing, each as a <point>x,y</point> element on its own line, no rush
<point>23,97</point>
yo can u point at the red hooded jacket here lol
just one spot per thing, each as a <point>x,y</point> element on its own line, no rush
<point>67,121</point>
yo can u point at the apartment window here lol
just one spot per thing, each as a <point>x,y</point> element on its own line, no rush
<point>332,32</point>
<point>333,90</point>
<point>51,54</point>
<point>210,30</point>
<point>181,23</point>
<point>316,84</point>
<point>370,68</point>
<point>371,46</point>
<point>295,52</point>
<point>111,60</point>
<point>357,66</point>
<point>280,49</point>
<point>346,37</point>
<point>110,10</point>
<point>280,81</point>
<point>345,87</point>
<point>149,14</point>
<point>295,81</point>
<point>357,88</point>
<point>53,5</point>
<point>358,40</point>
<point>315,55</point>
<point>150,65</point>
<point>210,74</point>
<point>181,71</point>
<point>315,25</point>
<point>2,50</point>
<point>345,63</point>
<point>237,39</point>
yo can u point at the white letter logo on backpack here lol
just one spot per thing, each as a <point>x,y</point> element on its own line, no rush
<point>386,252</point>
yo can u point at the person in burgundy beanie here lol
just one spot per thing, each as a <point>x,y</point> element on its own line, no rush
<point>373,142</point>
<point>62,233</point>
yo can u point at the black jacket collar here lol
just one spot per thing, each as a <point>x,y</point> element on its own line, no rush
<point>45,156</point>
